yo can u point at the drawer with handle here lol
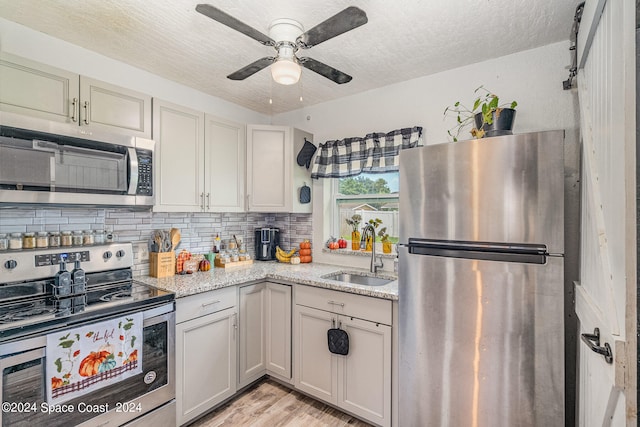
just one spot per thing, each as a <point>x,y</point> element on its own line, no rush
<point>193,306</point>
<point>359,306</point>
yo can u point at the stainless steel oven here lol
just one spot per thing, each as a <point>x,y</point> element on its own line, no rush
<point>23,396</point>
<point>31,310</point>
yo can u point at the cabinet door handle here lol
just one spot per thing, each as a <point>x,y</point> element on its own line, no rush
<point>235,324</point>
<point>341,304</point>
<point>208,201</point>
<point>86,112</point>
<point>74,108</point>
<point>207,304</point>
<point>202,202</point>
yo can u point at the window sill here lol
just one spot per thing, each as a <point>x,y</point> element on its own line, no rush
<point>358,253</point>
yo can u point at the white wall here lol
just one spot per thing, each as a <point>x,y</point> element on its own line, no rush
<point>533,78</point>
<point>22,41</point>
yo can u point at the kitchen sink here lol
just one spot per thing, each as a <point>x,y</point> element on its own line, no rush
<point>358,278</point>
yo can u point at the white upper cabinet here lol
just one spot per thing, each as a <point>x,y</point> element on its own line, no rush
<point>38,90</point>
<point>34,89</point>
<point>200,161</point>
<point>225,146</point>
<point>114,109</point>
<point>273,175</point>
<point>179,135</point>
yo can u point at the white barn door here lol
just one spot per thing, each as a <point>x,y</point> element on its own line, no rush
<point>606,292</point>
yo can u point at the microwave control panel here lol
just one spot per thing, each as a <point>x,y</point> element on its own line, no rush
<point>145,173</point>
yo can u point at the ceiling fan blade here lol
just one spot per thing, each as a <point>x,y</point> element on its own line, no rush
<point>231,22</point>
<point>325,70</point>
<point>344,21</point>
<point>252,68</point>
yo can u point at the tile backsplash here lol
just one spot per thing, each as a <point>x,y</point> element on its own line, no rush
<point>198,230</point>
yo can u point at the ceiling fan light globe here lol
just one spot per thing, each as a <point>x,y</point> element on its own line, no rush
<point>285,72</point>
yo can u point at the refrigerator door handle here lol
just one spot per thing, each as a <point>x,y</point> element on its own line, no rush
<point>489,251</point>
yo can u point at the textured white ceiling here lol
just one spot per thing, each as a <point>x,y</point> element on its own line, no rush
<point>404,39</point>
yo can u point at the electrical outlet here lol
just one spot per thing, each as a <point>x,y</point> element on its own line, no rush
<point>141,252</point>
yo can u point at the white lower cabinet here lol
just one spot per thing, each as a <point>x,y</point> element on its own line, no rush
<point>228,338</point>
<point>206,333</point>
<point>265,332</point>
<point>278,331</point>
<point>316,368</point>
<point>251,355</point>
<point>360,382</point>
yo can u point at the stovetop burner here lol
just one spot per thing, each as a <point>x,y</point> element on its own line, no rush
<point>118,295</point>
<point>24,311</point>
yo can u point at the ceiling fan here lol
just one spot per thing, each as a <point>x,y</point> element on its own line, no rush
<point>286,37</point>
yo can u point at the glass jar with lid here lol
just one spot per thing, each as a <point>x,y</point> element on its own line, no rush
<point>87,237</point>
<point>15,241</point>
<point>76,238</point>
<point>28,240</point>
<point>42,239</point>
<point>54,239</point>
<point>4,242</point>
<point>99,237</point>
<point>66,239</point>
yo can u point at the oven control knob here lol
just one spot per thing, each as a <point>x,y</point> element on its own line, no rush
<point>120,253</point>
<point>107,255</point>
<point>11,264</point>
<point>150,377</point>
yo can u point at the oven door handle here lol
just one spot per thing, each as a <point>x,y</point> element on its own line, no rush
<point>19,358</point>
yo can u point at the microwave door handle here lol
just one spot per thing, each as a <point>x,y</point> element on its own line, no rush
<point>52,171</point>
<point>133,168</point>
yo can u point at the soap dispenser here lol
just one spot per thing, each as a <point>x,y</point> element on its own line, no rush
<point>62,280</point>
<point>78,278</point>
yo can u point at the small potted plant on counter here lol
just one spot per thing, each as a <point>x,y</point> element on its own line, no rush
<point>384,238</point>
<point>488,116</point>
<point>354,222</point>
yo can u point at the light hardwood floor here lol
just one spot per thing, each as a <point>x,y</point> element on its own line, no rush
<point>269,404</point>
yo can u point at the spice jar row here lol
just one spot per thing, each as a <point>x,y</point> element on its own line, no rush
<point>52,239</point>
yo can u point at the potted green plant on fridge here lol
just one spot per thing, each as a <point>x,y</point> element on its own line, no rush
<point>488,117</point>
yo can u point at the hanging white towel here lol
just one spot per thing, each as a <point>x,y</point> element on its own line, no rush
<point>90,357</point>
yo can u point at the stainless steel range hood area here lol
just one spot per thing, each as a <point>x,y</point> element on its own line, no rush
<point>44,162</point>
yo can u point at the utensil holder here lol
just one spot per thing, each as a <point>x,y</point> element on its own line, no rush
<point>162,264</point>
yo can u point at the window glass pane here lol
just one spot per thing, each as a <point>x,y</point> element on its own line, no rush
<point>370,183</point>
<point>371,196</point>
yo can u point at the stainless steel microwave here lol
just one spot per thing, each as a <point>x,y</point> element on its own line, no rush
<point>60,167</point>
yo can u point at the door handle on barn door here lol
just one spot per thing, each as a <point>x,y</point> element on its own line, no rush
<point>593,341</point>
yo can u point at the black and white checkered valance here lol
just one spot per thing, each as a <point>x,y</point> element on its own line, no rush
<point>376,152</point>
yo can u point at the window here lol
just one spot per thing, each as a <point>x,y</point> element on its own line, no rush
<point>370,195</point>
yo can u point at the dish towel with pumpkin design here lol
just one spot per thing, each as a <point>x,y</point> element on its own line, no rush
<point>90,357</point>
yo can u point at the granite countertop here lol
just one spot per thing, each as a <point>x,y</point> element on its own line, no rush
<point>304,274</point>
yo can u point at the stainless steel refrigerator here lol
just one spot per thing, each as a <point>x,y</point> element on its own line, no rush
<point>481,288</point>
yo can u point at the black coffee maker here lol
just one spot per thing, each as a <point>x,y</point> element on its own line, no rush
<point>267,238</point>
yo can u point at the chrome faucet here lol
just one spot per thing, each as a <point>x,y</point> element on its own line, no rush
<point>369,229</point>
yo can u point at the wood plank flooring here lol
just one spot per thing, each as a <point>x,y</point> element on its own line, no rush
<point>269,404</point>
